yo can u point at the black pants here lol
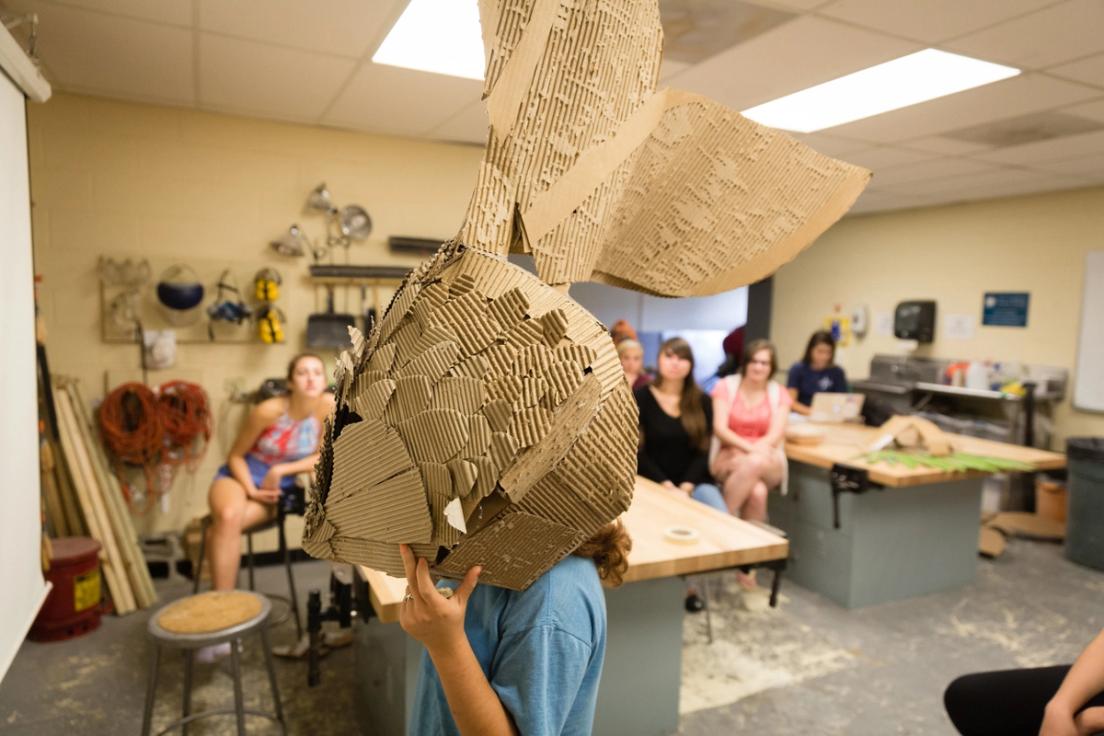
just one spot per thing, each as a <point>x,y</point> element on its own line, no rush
<point>1007,703</point>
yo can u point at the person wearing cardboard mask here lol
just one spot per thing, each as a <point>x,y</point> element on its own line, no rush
<point>749,420</point>
<point>279,440</point>
<point>499,661</point>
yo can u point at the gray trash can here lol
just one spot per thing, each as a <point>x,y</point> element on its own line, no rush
<point>1085,521</point>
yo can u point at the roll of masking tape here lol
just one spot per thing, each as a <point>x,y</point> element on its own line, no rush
<point>681,535</point>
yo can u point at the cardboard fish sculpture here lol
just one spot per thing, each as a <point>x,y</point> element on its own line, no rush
<point>484,420</point>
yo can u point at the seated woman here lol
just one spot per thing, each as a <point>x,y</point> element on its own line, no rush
<point>631,354</point>
<point>1045,701</point>
<point>749,419</point>
<point>675,417</point>
<point>279,441</point>
<point>815,372</point>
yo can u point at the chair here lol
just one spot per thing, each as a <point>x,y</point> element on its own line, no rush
<point>294,503</point>
<point>203,620</point>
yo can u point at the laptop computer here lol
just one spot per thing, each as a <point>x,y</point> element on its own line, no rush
<point>836,407</point>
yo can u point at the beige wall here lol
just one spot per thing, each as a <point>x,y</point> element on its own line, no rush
<point>128,180</point>
<point>953,255</point>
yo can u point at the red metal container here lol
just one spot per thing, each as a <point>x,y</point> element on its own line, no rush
<point>73,606</point>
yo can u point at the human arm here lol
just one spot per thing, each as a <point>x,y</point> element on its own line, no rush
<point>723,432</point>
<point>797,406</point>
<point>793,387</point>
<point>698,470</point>
<point>438,623</point>
<point>260,417</point>
<point>779,416</point>
<point>1084,680</point>
<point>279,471</point>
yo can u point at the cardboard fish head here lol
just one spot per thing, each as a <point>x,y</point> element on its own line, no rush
<point>485,420</point>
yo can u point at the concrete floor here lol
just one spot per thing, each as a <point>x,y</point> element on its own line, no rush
<point>807,667</point>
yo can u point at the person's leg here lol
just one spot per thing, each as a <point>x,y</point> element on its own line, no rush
<point>755,507</point>
<point>231,512</point>
<point>745,474</point>
<point>1008,702</point>
<point>710,495</point>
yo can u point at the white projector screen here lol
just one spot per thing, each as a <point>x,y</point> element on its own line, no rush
<point>20,526</point>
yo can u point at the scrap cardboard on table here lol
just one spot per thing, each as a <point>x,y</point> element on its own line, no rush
<point>485,419</point>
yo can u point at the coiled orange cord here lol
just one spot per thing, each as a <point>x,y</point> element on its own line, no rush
<point>145,429</point>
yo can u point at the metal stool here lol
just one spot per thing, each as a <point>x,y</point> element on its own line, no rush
<point>295,505</point>
<point>202,620</point>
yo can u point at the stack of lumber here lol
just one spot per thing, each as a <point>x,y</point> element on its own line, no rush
<point>94,492</point>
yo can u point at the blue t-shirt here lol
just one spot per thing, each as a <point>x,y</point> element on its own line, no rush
<point>809,382</point>
<point>541,649</point>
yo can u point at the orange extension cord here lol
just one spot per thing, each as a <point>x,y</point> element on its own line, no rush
<point>145,429</point>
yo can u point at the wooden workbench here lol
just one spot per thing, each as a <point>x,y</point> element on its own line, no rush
<point>905,532</point>
<point>642,671</point>
<point>724,542</point>
<point>846,443</point>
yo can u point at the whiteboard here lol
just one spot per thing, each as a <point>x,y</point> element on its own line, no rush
<point>20,527</point>
<point>1088,387</point>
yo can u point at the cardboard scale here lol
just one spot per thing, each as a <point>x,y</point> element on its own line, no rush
<point>485,419</point>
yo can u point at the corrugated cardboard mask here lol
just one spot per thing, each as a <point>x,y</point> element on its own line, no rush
<point>485,419</point>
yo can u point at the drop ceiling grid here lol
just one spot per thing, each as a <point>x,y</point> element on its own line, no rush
<point>310,62</point>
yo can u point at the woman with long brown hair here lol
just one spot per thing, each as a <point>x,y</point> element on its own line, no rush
<point>676,420</point>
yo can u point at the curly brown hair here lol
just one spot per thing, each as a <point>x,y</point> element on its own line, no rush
<point>609,548</point>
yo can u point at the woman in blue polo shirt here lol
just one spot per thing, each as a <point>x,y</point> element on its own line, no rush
<point>815,372</point>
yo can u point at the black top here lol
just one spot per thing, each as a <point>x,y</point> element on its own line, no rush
<point>665,451</point>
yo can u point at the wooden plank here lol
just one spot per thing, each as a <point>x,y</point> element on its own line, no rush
<point>847,443</point>
<point>118,513</point>
<point>55,509</point>
<point>724,542</point>
<point>94,514</point>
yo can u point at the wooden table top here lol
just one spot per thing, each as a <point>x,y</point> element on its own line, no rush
<point>723,542</point>
<point>846,443</point>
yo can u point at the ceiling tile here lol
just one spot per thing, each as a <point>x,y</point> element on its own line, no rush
<point>1090,166</point>
<point>695,30</point>
<point>1016,96</point>
<point>670,68</point>
<point>946,146</point>
<point>1062,32</point>
<point>283,83</point>
<point>113,56</point>
<point>937,169</point>
<point>874,201</point>
<point>159,11</point>
<point>793,56</point>
<point>931,187</point>
<point>1054,149</point>
<point>467,126</point>
<point>340,27</point>
<point>830,145</point>
<point>1089,71</point>
<point>1011,188</point>
<point>930,21</point>
<point>1093,110</point>
<point>790,4</point>
<point>881,157</point>
<point>388,99</point>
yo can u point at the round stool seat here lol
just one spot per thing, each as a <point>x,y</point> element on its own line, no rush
<point>209,618</point>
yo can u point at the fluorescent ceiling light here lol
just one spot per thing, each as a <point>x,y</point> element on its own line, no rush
<point>438,36</point>
<point>909,80</point>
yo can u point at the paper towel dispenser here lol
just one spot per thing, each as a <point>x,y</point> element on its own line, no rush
<point>914,320</point>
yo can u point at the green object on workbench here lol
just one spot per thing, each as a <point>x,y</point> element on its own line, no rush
<point>957,462</point>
